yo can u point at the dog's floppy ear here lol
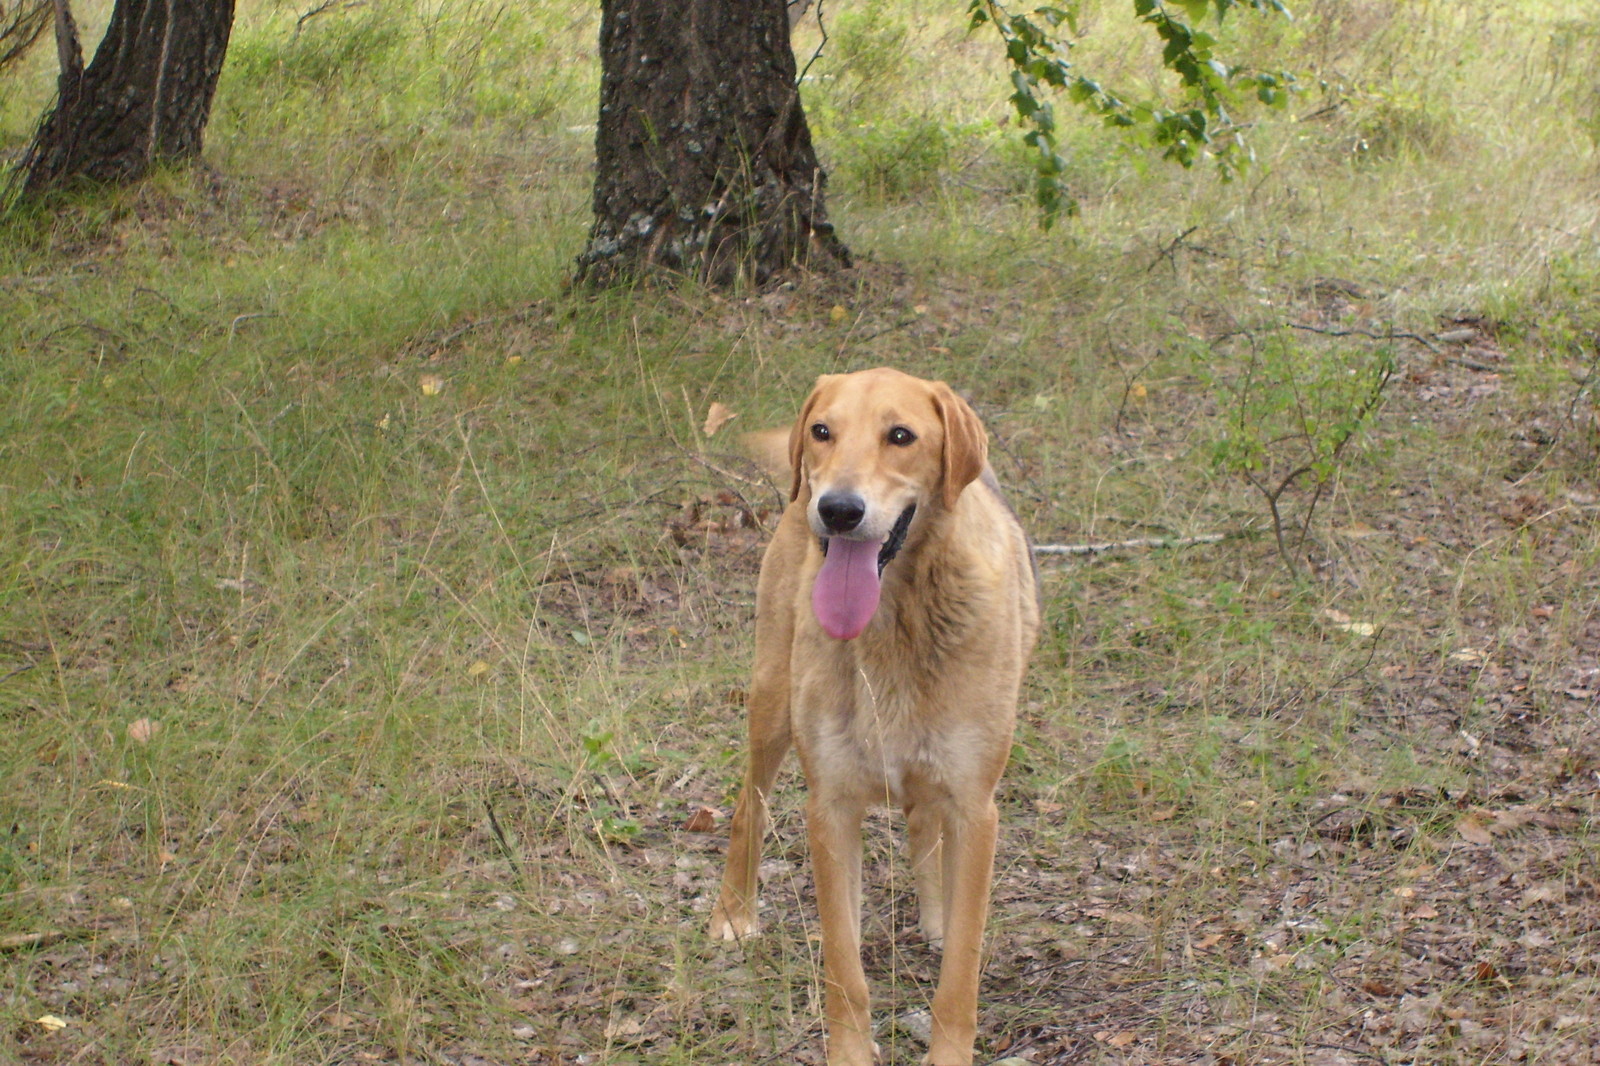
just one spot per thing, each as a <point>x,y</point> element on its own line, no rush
<point>797,439</point>
<point>966,445</point>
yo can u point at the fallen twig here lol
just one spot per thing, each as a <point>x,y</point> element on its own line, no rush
<point>1393,334</point>
<point>323,9</point>
<point>21,941</point>
<point>1096,548</point>
<point>233,327</point>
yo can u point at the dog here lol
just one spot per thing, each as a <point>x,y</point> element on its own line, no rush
<point>896,610</point>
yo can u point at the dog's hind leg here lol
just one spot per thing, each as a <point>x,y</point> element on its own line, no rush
<point>923,828</point>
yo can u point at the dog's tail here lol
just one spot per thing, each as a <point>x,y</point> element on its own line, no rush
<point>770,450</point>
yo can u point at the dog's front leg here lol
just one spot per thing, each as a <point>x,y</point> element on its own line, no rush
<point>833,827</point>
<point>734,916</point>
<point>969,840</point>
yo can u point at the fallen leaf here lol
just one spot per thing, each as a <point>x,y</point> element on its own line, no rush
<point>51,1022</point>
<point>1425,911</point>
<point>1549,892</point>
<point>1473,831</point>
<point>1118,1040</point>
<point>717,416</point>
<point>1358,531</point>
<point>836,315</point>
<point>141,730</point>
<point>431,384</point>
<point>703,820</point>
<point>477,669</point>
<point>1337,619</point>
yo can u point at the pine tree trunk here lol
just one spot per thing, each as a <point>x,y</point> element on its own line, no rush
<point>704,160</point>
<point>144,99</point>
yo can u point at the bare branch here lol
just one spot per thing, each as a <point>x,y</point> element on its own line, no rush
<point>1097,547</point>
<point>21,26</point>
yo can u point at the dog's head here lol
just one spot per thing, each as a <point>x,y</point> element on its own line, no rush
<point>868,451</point>
<point>887,436</point>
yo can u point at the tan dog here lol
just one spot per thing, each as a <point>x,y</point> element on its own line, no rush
<point>897,607</point>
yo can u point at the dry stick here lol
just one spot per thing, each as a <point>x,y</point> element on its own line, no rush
<point>1458,360</point>
<point>1096,548</point>
<point>233,327</point>
<point>505,845</point>
<point>1389,336</point>
<point>323,9</point>
<point>1170,250</point>
<point>21,941</point>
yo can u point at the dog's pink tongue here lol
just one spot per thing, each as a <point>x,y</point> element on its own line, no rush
<point>846,591</point>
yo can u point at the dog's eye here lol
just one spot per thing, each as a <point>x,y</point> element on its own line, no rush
<point>900,436</point>
<point>819,431</point>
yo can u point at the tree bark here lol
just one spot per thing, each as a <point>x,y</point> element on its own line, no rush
<point>704,159</point>
<point>145,98</point>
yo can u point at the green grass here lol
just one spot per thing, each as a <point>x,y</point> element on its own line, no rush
<point>374,614</point>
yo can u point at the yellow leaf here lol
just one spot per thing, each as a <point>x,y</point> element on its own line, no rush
<point>477,669</point>
<point>431,384</point>
<point>717,416</point>
<point>837,314</point>
<point>51,1022</point>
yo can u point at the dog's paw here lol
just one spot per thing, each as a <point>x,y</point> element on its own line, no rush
<point>726,925</point>
<point>853,1056</point>
<point>945,1052</point>
<point>930,1060</point>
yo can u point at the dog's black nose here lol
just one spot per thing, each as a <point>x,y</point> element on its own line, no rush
<point>841,511</point>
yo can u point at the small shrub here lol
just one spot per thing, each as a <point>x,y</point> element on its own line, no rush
<point>868,43</point>
<point>896,160</point>
<point>1397,126</point>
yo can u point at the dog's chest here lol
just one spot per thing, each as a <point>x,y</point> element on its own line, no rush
<point>877,728</point>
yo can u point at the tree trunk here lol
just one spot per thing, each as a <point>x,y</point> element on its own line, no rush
<point>704,160</point>
<point>145,98</point>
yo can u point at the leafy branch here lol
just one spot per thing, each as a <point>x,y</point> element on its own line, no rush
<point>1040,60</point>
